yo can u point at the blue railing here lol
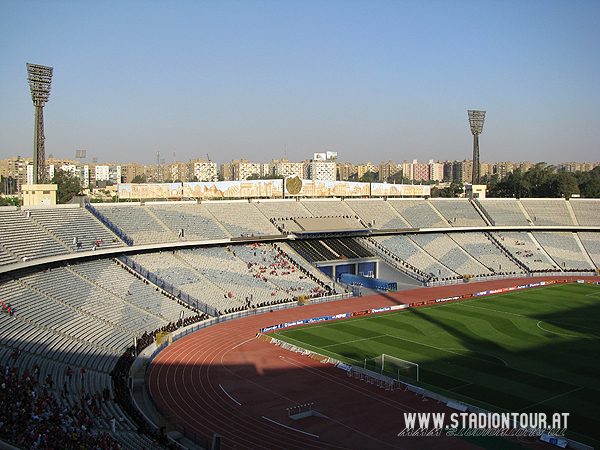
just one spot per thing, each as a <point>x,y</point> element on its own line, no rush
<point>168,287</point>
<point>108,223</point>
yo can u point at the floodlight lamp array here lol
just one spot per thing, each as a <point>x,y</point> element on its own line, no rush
<point>476,119</point>
<point>39,79</point>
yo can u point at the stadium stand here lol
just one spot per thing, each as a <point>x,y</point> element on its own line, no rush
<point>486,251</point>
<point>282,209</point>
<point>587,211</point>
<point>553,211</point>
<point>445,250</point>
<point>110,276</point>
<point>459,212</point>
<point>177,271</point>
<point>6,257</point>
<point>241,218</point>
<point>377,213</point>
<point>414,258</point>
<point>419,213</point>
<point>26,239</point>
<point>86,313</point>
<point>137,222</point>
<point>524,249</point>
<point>194,219</point>
<point>75,227</point>
<point>504,211</point>
<point>564,248</point>
<point>591,243</point>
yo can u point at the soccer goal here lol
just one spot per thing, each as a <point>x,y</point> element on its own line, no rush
<point>395,367</point>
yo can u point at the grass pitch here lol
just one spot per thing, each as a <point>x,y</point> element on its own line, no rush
<point>531,351</point>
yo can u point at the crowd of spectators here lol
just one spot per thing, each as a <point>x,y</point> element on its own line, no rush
<point>120,376</point>
<point>32,417</point>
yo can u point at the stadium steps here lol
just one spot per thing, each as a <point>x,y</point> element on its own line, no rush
<point>65,334</point>
<point>161,223</point>
<point>572,214</point>
<point>508,254</point>
<point>436,259</point>
<point>525,213</point>
<point>486,218</point>
<point>205,278</point>
<point>6,256</point>
<point>438,213</point>
<point>50,233</point>
<point>468,253</point>
<point>543,250</point>
<point>584,251</point>
<point>68,305</point>
<point>124,300</point>
<point>218,222</point>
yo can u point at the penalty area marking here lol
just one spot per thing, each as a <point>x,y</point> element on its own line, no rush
<point>289,428</point>
<point>556,332</point>
<point>238,403</point>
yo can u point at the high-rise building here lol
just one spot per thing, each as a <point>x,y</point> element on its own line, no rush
<point>463,171</point>
<point>321,170</point>
<point>16,169</point>
<point>504,168</point>
<point>131,170</point>
<point>363,169</point>
<point>346,170</point>
<point>204,171</point>
<point>388,169</point>
<point>110,173</point>
<point>436,171</point>
<point>288,169</point>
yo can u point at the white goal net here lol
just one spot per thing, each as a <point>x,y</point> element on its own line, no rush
<point>394,367</point>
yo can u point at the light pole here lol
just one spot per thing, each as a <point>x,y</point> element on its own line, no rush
<point>476,119</point>
<point>39,78</point>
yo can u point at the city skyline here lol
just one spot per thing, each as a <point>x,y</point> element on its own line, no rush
<point>373,81</point>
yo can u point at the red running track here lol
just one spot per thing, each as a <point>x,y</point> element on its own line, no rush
<point>223,380</point>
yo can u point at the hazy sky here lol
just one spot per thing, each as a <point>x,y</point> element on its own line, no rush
<point>372,80</point>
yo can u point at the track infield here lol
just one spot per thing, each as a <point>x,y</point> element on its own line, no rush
<point>530,351</point>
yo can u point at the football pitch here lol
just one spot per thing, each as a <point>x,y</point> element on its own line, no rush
<point>529,351</point>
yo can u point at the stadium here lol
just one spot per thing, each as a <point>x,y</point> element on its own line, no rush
<point>135,325</point>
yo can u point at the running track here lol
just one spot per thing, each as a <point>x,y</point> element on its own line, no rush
<point>223,380</point>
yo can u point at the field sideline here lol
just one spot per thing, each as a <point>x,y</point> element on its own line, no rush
<point>534,350</point>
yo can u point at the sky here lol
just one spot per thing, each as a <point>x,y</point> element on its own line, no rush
<point>372,80</point>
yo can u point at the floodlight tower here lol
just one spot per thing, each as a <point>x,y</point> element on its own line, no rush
<point>39,79</point>
<point>476,119</point>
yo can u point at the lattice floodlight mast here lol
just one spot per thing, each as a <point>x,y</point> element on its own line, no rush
<point>476,119</point>
<point>39,78</point>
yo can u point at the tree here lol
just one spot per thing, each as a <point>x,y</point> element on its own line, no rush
<point>564,184</point>
<point>139,179</point>
<point>591,189</point>
<point>538,181</point>
<point>369,177</point>
<point>9,201</point>
<point>68,186</point>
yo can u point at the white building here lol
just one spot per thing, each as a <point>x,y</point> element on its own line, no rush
<point>321,170</point>
<point>108,173</point>
<point>289,169</point>
<point>436,171</point>
<point>205,171</point>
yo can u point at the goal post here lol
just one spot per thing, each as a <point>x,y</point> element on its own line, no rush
<point>394,367</point>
